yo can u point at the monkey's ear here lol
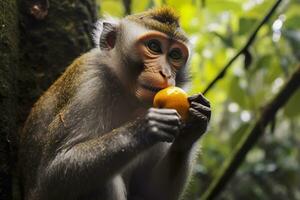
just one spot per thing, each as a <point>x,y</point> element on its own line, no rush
<point>105,33</point>
<point>108,36</point>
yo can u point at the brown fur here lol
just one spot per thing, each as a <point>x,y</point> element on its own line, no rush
<point>164,19</point>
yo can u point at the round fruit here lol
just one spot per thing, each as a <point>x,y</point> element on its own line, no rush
<point>173,97</point>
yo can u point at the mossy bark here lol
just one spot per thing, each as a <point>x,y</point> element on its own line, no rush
<point>34,51</point>
<point>49,45</point>
<point>8,97</point>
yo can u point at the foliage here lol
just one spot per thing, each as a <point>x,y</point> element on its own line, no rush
<point>217,30</point>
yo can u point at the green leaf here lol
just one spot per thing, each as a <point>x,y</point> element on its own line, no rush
<point>292,22</point>
<point>238,134</point>
<point>292,108</point>
<point>246,25</point>
<point>293,37</point>
<point>236,93</point>
<point>114,8</point>
<point>225,5</point>
<point>139,6</point>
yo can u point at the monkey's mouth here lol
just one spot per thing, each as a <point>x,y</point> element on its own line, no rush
<point>151,88</point>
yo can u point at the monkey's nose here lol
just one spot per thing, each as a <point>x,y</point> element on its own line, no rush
<point>164,75</point>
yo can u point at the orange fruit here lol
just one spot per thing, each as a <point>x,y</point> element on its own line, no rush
<point>173,97</point>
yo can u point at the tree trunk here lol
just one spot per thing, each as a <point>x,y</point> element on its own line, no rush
<point>50,44</point>
<point>39,39</point>
<point>8,97</point>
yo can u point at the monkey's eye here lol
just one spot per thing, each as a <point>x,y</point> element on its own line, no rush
<point>175,54</point>
<point>154,45</point>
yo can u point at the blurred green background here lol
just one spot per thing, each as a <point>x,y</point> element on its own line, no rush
<point>217,30</point>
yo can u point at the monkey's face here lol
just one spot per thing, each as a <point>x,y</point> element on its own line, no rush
<point>145,61</point>
<point>162,58</point>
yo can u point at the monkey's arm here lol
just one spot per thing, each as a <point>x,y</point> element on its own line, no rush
<point>94,161</point>
<point>169,177</point>
<point>85,166</point>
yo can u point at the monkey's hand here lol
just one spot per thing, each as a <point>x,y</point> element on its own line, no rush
<point>162,125</point>
<point>199,116</point>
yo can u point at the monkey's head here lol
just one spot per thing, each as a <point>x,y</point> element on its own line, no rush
<point>148,51</point>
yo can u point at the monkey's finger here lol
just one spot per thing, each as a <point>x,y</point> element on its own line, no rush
<point>202,109</point>
<point>171,129</point>
<point>166,111</point>
<point>200,99</point>
<point>196,115</point>
<point>168,119</point>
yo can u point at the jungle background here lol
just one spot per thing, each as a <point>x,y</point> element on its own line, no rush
<point>246,56</point>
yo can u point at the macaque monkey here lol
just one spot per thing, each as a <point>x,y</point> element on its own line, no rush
<point>94,135</point>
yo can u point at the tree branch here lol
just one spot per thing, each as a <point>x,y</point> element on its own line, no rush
<point>244,48</point>
<point>241,150</point>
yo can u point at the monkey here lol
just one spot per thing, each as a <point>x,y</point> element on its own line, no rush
<point>94,133</point>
